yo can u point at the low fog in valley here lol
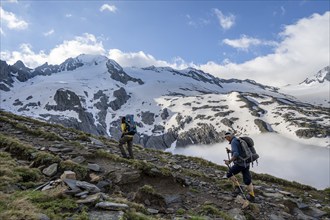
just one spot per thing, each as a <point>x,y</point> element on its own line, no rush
<point>279,156</point>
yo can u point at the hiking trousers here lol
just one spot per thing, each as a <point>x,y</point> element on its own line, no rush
<point>235,169</point>
<point>129,140</point>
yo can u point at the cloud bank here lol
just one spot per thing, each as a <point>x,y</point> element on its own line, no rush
<point>279,156</point>
<point>303,51</point>
<point>87,44</point>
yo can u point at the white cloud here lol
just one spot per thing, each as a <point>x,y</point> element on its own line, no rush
<point>303,51</point>
<point>245,42</point>
<point>12,1</point>
<point>1,31</point>
<point>199,23</point>
<point>108,7</point>
<point>226,22</point>
<point>87,43</point>
<point>26,55</point>
<point>12,21</point>
<point>68,15</point>
<point>140,60</point>
<point>50,32</point>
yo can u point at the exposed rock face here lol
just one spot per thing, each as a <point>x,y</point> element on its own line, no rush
<point>121,99</point>
<point>227,122</point>
<point>160,142</point>
<point>70,64</point>
<point>117,73</point>
<point>68,100</point>
<point>204,134</point>
<point>321,76</point>
<point>309,133</point>
<point>102,106</point>
<point>148,117</point>
<point>164,115</point>
<point>263,127</point>
<point>5,76</point>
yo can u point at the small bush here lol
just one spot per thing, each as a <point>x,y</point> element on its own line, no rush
<point>28,174</point>
<point>44,158</point>
<point>148,189</point>
<point>209,209</point>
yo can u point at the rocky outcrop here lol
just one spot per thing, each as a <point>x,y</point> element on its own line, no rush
<point>148,117</point>
<point>164,115</point>
<point>263,126</point>
<point>68,100</point>
<point>117,73</point>
<point>22,73</point>
<point>204,134</point>
<point>121,98</point>
<point>310,133</point>
<point>70,64</point>
<point>102,105</point>
<point>65,100</point>
<point>320,77</point>
<point>160,142</point>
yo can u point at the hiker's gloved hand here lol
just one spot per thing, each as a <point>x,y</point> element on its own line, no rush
<point>227,162</point>
<point>228,150</point>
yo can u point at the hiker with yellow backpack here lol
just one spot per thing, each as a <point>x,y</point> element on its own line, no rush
<point>128,128</point>
<point>241,163</point>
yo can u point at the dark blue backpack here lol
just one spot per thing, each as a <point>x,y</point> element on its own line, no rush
<point>131,124</point>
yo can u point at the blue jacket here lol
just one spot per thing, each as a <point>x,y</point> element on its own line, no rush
<point>235,144</point>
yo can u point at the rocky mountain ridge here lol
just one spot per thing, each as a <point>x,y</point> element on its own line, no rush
<point>52,172</point>
<point>322,76</point>
<point>183,107</point>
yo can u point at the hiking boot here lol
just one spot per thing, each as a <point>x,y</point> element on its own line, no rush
<point>250,197</point>
<point>236,191</point>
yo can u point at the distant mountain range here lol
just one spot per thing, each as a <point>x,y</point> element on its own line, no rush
<point>171,107</point>
<point>314,90</point>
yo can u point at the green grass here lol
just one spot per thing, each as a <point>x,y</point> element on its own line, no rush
<point>13,174</point>
<point>15,147</point>
<point>44,158</point>
<point>27,205</point>
<point>209,209</point>
<point>283,182</point>
<point>148,189</point>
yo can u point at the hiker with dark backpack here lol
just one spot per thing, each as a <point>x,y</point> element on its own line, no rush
<point>128,129</point>
<point>241,165</point>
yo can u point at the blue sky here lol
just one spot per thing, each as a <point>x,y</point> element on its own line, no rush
<point>230,39</point>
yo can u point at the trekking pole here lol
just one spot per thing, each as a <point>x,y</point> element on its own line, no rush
<point>239,186</point>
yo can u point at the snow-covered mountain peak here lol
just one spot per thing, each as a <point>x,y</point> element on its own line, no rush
<point>313,90</point>
<point>320,77</point>
<point>90,59</point>
<point>114,64</point>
